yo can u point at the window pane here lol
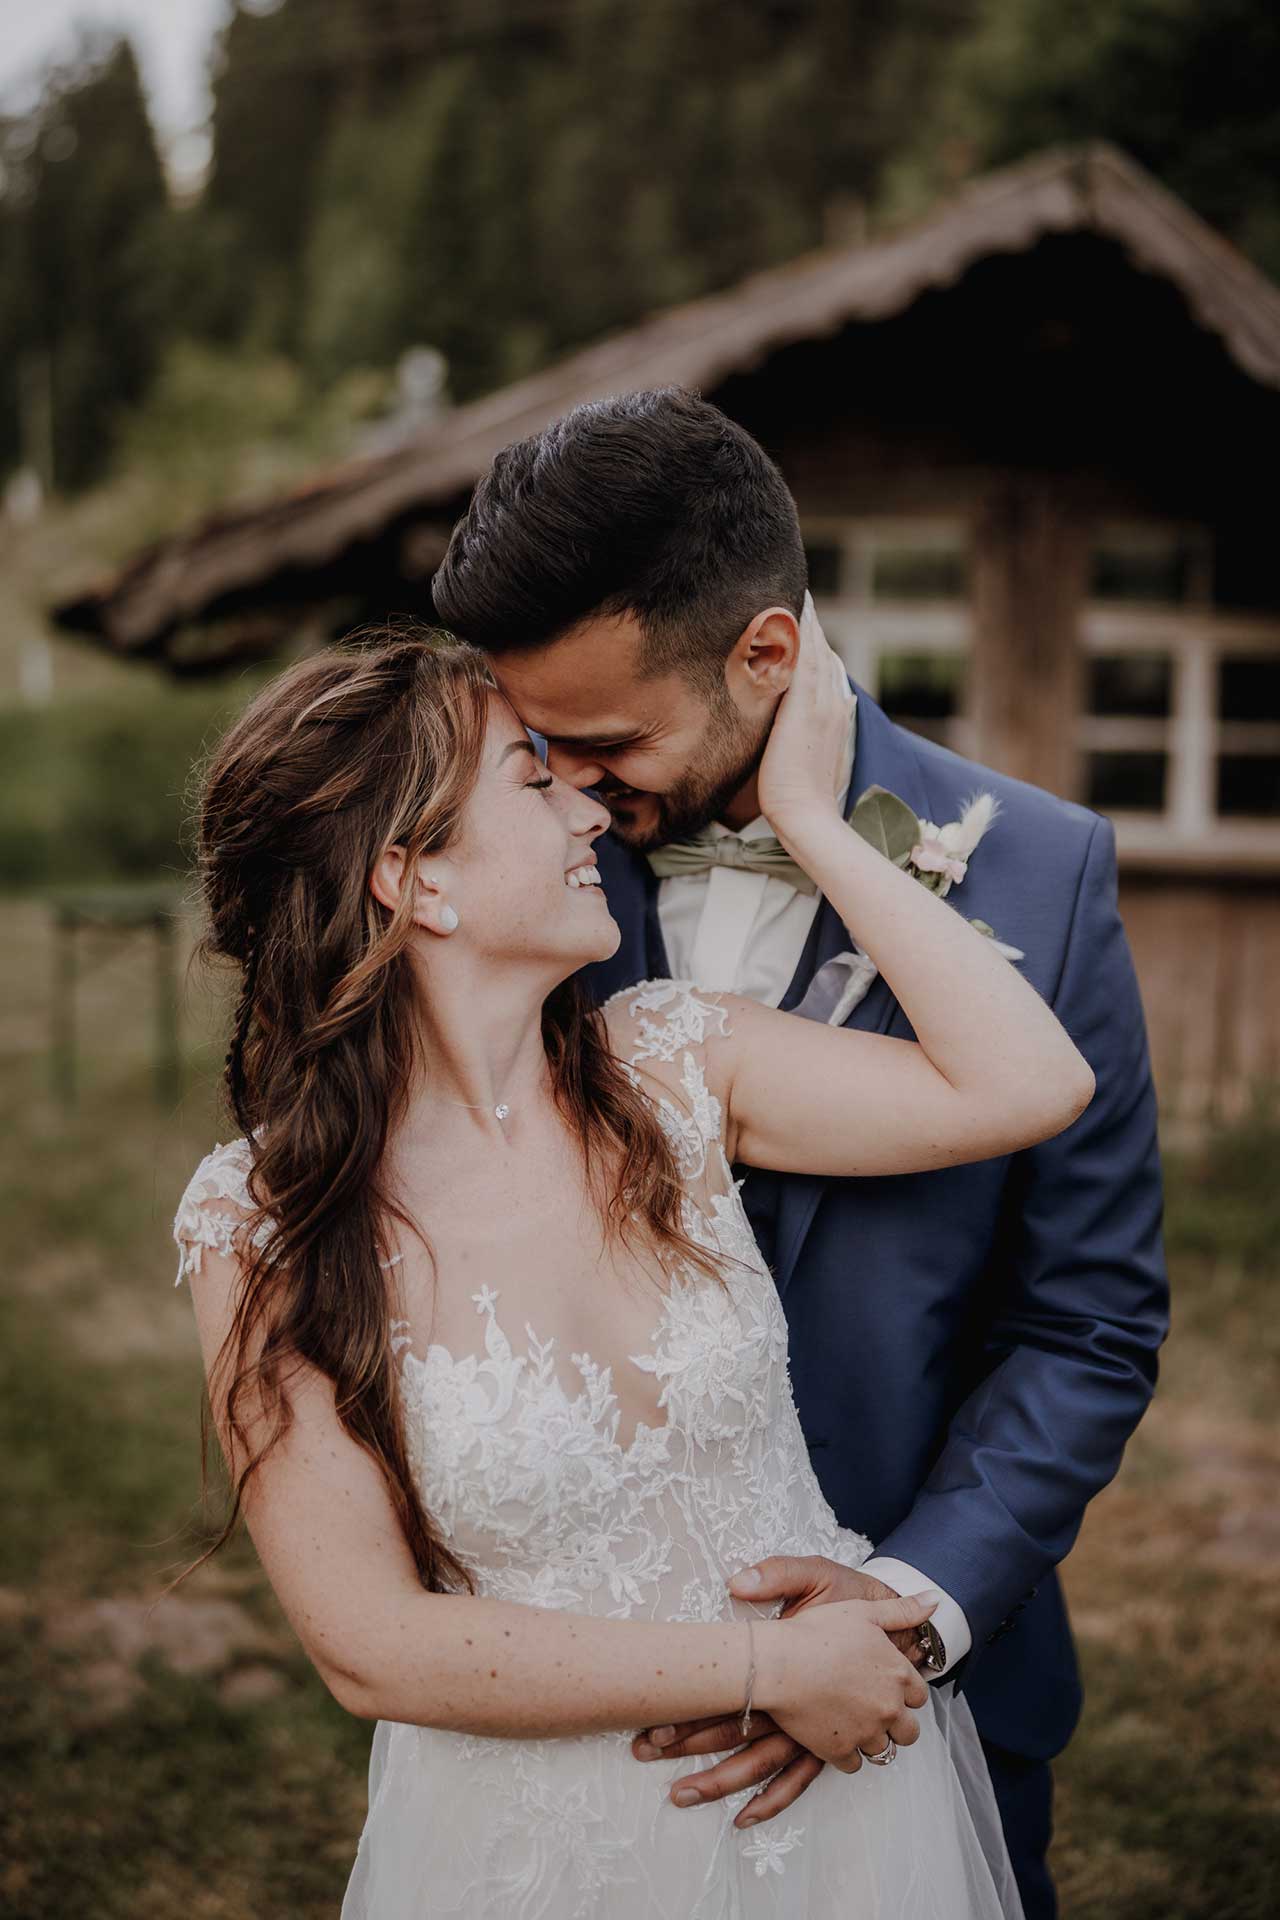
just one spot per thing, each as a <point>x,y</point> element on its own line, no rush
<point>1249,687</point>
<point>1121,782</point>
<point>1142,564</point>
<point>925,571</point>
<point>1249,783</point>
<point>921,686</point>
<point>823,559</point>
<point>1131,684</point>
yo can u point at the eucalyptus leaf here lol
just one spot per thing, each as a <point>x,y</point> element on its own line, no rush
<point>886,823</point>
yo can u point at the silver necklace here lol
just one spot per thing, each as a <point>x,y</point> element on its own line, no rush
<point>500,1112</point>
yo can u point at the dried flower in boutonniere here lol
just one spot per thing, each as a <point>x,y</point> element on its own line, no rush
<point>938,857</point>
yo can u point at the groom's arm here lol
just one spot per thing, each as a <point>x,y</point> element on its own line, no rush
<point>1075,1335</point>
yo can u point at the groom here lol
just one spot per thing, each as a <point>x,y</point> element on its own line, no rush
<point>970,1347</point>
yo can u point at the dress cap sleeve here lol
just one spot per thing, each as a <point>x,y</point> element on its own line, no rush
<point>667,1018</point>
<point>214,1205</point>
<point>662,1027</point>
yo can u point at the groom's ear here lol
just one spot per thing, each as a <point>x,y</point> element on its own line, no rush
<point>763,658</point>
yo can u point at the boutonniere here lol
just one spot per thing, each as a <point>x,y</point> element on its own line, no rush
<point>938,857</point>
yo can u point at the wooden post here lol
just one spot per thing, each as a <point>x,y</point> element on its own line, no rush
<point>63,1007</point>
<point>1030,577</point>
<point>119,910</point>
<point>167,1061</point>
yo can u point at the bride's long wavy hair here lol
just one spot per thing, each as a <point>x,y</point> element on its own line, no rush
<point>376,742</point>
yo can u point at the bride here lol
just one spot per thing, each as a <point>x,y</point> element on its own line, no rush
<point>498,1372</point>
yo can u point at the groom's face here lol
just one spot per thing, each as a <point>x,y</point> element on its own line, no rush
<point>664,758</point>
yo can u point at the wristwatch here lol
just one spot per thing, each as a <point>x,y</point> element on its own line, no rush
<point>935,1649</point>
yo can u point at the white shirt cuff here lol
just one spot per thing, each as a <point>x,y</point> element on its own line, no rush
<point>948,1618</point>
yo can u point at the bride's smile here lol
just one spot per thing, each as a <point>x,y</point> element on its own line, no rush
<point>517,890</point>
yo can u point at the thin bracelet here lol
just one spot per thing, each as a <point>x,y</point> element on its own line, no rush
<point>751,1678</point>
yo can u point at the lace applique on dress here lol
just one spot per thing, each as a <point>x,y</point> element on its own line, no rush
<point>695,1124</point>
<point>546,1507</point>
<point>548,1504</point>
<point>686,1020</point>
<point>200,1222</point>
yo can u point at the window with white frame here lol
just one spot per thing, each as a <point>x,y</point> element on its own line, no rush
<point>893,598</point>
<point>1179,727</point>
<point>1179,732</point>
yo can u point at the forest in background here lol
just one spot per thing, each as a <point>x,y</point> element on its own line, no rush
<point>500,180</point>
<point>494,180</point>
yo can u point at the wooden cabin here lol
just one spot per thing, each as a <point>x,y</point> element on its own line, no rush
<point>1032,439</point>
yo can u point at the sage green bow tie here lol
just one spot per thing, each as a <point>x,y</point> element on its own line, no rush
<point>767,856</point>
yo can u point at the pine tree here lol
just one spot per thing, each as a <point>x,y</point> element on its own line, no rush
<point>500,179</point>
<point>507,178</point>
<point>83,222</point>
<point>278,79</point>
<point>1190,90</point>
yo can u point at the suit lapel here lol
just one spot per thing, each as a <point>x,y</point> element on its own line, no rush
<point>632,894</point>
<point>657,965</point>
<point>884,757</point>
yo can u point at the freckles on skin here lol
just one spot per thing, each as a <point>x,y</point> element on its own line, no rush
<point>507,838</point>
<point>518,835</point>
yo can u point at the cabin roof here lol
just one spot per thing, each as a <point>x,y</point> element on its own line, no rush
<point>1094,188</point>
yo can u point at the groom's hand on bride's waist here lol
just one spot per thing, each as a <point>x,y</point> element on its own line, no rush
<point>768,1754</point>
<point>807,1580</point>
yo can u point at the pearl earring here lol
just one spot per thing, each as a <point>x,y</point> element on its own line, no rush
<point>448,918</point>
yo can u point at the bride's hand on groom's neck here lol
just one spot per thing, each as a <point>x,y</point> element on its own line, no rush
<point>802,772</point>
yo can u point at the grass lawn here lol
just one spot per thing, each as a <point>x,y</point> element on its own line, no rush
<point>187,1759</point>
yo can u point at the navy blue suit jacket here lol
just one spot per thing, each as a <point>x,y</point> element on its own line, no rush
<point>972,1347</point>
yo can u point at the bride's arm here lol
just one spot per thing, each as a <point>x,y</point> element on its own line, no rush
<point>327,1534</point>
<point>991,1070</point>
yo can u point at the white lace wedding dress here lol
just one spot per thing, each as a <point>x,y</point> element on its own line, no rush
<point>547,1508</point>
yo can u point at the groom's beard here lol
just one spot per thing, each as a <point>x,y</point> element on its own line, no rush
<point>728,756</point>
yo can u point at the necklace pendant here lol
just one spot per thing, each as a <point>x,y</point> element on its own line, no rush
<point>501,1111</point>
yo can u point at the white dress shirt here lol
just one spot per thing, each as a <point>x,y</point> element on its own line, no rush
<point>734,932</point>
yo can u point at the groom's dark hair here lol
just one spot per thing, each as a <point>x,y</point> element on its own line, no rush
<point>651,503</point>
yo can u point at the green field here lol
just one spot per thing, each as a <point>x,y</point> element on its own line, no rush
<point>187,1760</point>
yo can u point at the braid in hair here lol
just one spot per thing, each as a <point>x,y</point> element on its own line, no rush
<point>234,1073</point>
<point>345,754</point>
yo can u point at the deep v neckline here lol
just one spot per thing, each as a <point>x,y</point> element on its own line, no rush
<point>510,1371</point>
<point>671,1022</point>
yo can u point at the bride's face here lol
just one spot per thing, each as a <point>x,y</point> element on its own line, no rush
<point>519,872</point>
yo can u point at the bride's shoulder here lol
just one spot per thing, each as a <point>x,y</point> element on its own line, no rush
<point>669,1037</point>
<point>215,1201</point>
<point>666,1026</point>
<point>661,1020</point>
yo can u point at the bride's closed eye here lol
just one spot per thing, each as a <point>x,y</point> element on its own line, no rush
<point>539,786</point>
